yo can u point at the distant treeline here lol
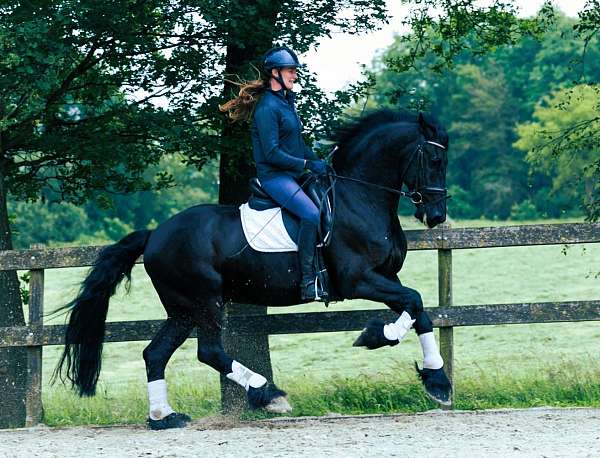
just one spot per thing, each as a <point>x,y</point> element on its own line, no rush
<point>110,217</point>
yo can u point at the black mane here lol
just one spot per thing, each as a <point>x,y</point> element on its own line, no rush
<point>345,134</point>
<point>350,136</point>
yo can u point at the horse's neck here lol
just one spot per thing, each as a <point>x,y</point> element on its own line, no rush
<point>378,160</point>
<point>360,206</point>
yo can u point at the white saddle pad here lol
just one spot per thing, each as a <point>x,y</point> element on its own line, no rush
<point>265,230</point>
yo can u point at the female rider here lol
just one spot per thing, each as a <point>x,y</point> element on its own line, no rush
<point>280,153</point>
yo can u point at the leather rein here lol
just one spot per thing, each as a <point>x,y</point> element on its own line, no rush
<point>415,195</point>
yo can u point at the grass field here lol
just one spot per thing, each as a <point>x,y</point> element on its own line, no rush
<point>519,365</point>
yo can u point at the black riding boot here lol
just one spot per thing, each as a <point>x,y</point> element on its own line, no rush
<point>307,239</point>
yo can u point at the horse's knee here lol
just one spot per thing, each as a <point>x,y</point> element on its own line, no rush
<point>156,361</point>
<point>414,304</point>
<point>207,353</point>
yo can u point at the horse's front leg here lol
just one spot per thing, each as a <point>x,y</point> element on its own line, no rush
<point>408,304</point>
<point>405,301</point>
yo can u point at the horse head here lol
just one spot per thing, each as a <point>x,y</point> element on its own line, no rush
<point>388,149</point>
<point>425,175</point>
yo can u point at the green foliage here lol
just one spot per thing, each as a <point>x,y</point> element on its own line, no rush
<point>562,142</point>
<point>24,287</point>
<point>467,29</point>
<point>79,83</point>
<point>461,205</point>
<point>524,211</point>
<point>54,223</point>
<point>441,31</point>
<point>46,223</point>
<point>480,99</point>
<point>68,122</point>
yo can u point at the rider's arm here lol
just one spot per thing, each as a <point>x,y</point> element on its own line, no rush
<point>268,133</point>
<point>309,153</point>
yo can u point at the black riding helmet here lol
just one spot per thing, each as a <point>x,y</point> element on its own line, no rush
<point>278,58</point>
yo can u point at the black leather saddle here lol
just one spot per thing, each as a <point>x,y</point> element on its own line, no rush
<point>320,191</point>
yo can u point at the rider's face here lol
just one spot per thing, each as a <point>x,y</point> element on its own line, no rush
<point>289,75</point>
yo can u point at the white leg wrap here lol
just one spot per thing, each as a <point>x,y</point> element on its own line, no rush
<point>398,329</point>
<point>157,397</point>
<point>245,377</point>
<point>431,355</point>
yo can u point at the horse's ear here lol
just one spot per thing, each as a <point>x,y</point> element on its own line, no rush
<point>426,125</point>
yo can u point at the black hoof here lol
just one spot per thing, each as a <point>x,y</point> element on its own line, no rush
<point>372,336</point>
<point>262,397</point>
<point>437,386</point>
<point>174,420</point>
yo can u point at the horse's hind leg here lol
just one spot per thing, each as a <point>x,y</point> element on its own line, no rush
<point>171,335</point>
<point>260,393</point>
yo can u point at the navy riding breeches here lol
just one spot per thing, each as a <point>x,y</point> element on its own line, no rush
<point>287,192</point>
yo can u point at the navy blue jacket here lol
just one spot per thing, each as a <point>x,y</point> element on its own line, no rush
<point>277,137</point>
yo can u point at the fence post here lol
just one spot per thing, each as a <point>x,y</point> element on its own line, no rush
<point>251,350</point>
<point>33,400</point>
<point>445,300</point>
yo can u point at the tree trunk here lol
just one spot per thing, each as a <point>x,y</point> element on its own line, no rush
<point>245,44</point>
<point>13,361</point>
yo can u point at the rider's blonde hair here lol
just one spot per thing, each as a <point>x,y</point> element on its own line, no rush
<point>240,109</point>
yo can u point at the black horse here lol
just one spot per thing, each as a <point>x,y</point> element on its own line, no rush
<point>196,263</point>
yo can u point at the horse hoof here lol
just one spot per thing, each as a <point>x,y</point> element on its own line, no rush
<point>372,336</point>
<point>264,396</point>
<point>279,405</point>
<point>173,420</point>
<point>436,384</point>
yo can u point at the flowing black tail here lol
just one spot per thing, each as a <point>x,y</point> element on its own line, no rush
<point>85,332</point>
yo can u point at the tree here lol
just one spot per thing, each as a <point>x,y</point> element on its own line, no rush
<point>69,121</point>
<point>443,31</point>
<point>480,98</point>
<point>561,141</point>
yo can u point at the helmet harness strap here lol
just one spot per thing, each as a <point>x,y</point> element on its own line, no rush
<point>279,79</point>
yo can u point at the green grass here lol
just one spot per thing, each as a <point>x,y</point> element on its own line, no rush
<point>495,366</point>
<point>560,385</point>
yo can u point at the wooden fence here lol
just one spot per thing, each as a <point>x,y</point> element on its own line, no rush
<point>257,326</point>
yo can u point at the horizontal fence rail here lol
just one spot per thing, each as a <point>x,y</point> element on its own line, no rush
<point>301,323</point>
<point>430,239</point>
<point>255,325</point>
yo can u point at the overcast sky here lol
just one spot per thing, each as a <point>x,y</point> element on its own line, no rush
<point>337,60</point>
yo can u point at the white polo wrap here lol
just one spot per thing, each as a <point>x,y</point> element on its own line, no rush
<point>398,329</point>
<point>157,397</point>
<point>431,355</point>
<point>245,377</point>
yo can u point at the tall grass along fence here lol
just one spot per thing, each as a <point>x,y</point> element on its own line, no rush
<point>255,325</point>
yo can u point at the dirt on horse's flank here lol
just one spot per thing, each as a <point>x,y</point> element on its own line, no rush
<point>507,432</point>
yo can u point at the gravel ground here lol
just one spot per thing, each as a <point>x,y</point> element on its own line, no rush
<point>542,432</point>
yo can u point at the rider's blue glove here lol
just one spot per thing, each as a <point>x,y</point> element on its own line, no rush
<point>319,167</point>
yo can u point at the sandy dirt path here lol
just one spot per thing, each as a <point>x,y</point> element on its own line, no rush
<point>542,432</point>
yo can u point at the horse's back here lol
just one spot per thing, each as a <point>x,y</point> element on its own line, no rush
<point>193,239</point>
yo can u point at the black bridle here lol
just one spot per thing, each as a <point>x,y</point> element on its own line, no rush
<point>416,194</point>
